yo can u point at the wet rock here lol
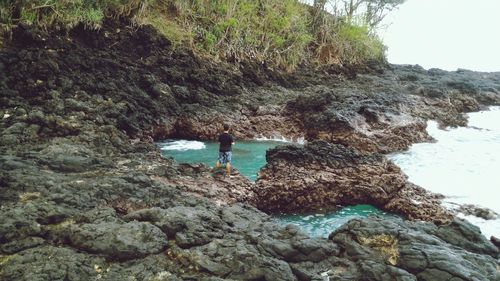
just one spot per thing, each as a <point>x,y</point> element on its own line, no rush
<point>201,180</point>
<point>99,215</point>
<point>9,140</point>
<point>26,219</point>
<point>11,162</point>
<point>346,118</point>
<point>414,202</point>
<point>477,211</point>
<point>322,176</point>
<point>71,163</point>
<point>154,267</point>
<point>15,129</point>
<point>118,241</point>
<point>495,241</point>
<point>69,157</point>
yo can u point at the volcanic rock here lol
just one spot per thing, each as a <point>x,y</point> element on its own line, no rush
<point>320,176</point>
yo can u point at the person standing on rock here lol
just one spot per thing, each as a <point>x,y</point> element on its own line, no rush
<point>225,144</point>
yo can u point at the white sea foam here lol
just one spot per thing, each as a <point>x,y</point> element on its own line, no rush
<point>464,164</point>
<point>182,145</point>
<point>299,140</point>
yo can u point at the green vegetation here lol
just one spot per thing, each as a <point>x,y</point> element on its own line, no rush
<point>281,33</point>
<point>51,12</point>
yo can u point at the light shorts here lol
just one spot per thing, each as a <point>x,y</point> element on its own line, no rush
<point>225,157</point>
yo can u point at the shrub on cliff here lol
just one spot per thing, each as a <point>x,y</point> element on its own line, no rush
<point>278,33</point>
<point>47,13</point>
<point>268,31</point>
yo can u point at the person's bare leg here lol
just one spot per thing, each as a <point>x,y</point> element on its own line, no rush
<point>228,168</point>
<point>217,164</point>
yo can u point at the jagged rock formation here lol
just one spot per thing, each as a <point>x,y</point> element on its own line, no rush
<point>418,251</point>
<point>200,180</point>
<point>85,194</point>
<point>321,176</point>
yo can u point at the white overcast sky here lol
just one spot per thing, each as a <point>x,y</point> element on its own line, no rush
<point>446,34</point>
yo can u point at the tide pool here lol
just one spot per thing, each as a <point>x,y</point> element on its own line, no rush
<point>248,156</point>
<point>321,225</point>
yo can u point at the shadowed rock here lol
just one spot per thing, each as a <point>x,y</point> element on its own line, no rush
<point>495,241</point>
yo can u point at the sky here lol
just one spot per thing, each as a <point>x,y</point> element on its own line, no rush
<point>446,34</point>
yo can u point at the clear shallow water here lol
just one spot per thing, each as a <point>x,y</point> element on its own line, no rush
<point>463,165</point>
<point>321,225</point>
<point>248,156</point>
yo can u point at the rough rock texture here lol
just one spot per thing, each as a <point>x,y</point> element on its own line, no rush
<point>201,180</point>
<point>120,241</point>
<point>387,112</point>
<point>480,212</point>
<point>84,194</point>
<point>428,252</point>
<point>321,176</point>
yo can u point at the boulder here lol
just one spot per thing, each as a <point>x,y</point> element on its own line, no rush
<point>118,241</point>
<point>427,251</point>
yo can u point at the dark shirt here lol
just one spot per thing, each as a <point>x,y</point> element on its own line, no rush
<point>225,142</point>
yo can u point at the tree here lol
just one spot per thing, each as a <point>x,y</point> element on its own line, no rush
<point>372,12</point>
<point>376,10</point>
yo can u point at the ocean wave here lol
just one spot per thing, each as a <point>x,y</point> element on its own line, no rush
<point>182,145</point>
<point>299,140</point>
<point>462,164</point>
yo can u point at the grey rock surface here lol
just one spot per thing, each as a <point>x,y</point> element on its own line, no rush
<point>120,241</point>
<point>84,194</point>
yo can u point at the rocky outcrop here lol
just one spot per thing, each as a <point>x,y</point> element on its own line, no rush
<point>320,176</point>
<point>118,241</point>
<point>239,242</point>
<point>476,211</point>
<point>418,251</point>
<point>91,77</point>
<point>495,241</point>
<point>86,196</point>
<point>201,180</point>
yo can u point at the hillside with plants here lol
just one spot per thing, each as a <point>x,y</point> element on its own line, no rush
<point>278,33</point>
<point>90,88</point>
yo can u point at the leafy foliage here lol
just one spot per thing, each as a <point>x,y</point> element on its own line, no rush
<point>281,33</point>
<point>359,45</point>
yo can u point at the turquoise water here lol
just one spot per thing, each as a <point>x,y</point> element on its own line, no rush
<point>248,156</point>
<point>321,225</point>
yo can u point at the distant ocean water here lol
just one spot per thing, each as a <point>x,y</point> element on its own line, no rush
<point>463,165</point>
